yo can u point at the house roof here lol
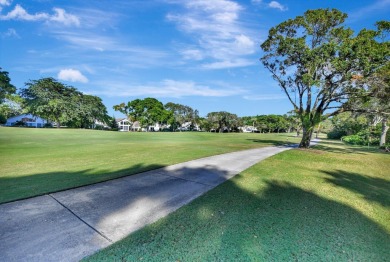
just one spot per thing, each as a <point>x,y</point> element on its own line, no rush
<point>121,119</point>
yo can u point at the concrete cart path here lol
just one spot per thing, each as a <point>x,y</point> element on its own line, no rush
<point>69,225</point>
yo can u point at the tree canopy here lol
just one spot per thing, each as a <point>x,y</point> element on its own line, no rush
<point>147,111</point>
<point>315,60</point>
<point>6,88</point>
<point>60,103</point>
<point>223,121</point>
<point>182,114</point>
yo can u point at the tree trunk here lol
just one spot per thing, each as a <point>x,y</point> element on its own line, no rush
<point>318,130</point>
<point>58,123</point>
<point>385,128</point>
<point>306,137</point>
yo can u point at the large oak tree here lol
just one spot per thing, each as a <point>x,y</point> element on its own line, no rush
<point>60,103</point>
<point>315,59</point>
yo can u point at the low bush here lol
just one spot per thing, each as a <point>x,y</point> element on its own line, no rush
<point>361,138</point>
<point>336,134</point>
<point>354,140</point>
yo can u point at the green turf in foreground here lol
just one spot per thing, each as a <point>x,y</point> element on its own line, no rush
<point>39,161</point>
<point>325,204</point>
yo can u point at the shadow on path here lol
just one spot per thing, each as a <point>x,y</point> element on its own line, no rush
<point>17,188</point>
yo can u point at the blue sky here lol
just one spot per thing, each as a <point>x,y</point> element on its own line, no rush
<point>201,53</point>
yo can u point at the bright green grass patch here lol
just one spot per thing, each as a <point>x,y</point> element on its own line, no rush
<point>325,204</point>
<point>39,161</point>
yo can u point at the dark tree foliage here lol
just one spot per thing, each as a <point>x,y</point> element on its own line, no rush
<point>6,88</point>
<point>60,103</point>
<point>223,121</point>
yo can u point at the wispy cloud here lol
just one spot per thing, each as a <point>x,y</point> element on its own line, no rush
<point>72,75</point>
<point>59,16</point>
<point>361,13</point>
<point>228,64</point>
<point>265,97</point>
<point>165,88</point>
<point>10,33</point>
<point>277,5</point>
<point>4,3</point>
<point>272,4</point>
<point>216,32</point>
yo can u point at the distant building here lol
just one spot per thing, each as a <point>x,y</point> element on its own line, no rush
<point>123,124</point>
<point>188,126</point>
<point>28,119</point>
<point>136,126</point>
<point>249,129</point>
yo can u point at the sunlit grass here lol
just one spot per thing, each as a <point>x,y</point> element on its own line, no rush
<point>39,161</point>
<point>330,203</point>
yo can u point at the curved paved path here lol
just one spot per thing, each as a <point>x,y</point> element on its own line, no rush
<point>69,225</point>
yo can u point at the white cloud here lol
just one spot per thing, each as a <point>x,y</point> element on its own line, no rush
<point>62,17</point>
<point>72,75</point>
<point>19,13</point>
<point>10,33</point>
<point>214,6</point>
<point>192,54</point>
<point>215,27</point>
<point>59,16</point>
<point>165,88</point>
<point>265,97</point>
<point>114,49</point>
<point>5,3</point>
<point>228,64</point>
<point>277,5</point>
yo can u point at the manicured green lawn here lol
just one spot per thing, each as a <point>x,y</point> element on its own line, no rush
<point>39,161</point>
<point>331,203</point>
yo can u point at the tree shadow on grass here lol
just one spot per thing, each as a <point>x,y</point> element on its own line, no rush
<point>372,188</point>
<point>278,222</point>
<point>339,147</point>
<point>274,142</point>
<point>16,188</point>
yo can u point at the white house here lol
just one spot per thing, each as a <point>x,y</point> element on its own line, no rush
<point>123,124</point>
<point>249,129</point>
<point>158,127</point>
<point>29,119</point>
<point>187,127</point>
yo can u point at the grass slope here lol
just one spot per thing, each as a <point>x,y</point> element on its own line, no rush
<point>325,204</point>
<point>39,161</point>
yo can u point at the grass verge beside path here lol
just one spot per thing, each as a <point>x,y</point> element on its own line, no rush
<point>38,161</point>
<point>330,203</point>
